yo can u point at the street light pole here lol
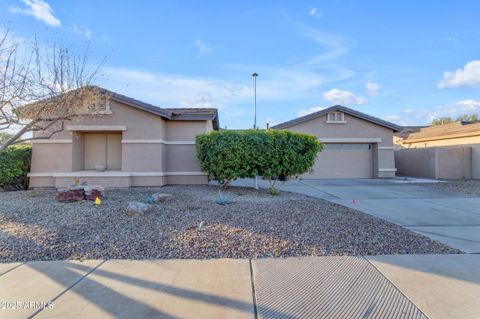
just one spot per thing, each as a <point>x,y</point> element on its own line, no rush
<point>255,100</point>
<point>255,112</point>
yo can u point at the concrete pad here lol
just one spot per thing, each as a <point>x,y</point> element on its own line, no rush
<point>4,268</point>
<point>162,288</point>
<point>326,287</point>
<point>442,286</point>
<point>465,238</point>
<point>348,182</point>
<point>468,205</point>
<point>407,212</point>
<point>384,192</point>
<point>38,282</point>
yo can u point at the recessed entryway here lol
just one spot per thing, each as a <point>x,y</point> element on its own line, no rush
<point>103,148</point>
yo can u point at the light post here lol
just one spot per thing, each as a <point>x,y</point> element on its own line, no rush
<point>255,100</point>
<point>255,112</point>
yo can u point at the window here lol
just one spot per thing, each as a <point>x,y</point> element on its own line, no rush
<point>336,117</point>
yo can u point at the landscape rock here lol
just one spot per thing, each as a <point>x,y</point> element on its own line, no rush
<point>137,209</point>
<point>255,225</point>
<point>70,196</point>
<point>161,197</point>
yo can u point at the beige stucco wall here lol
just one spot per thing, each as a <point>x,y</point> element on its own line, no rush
<point>355,128</point>
<point>436,162</point>
<point>185,130</point>
<point>78,154</point>
<point>149,144</point>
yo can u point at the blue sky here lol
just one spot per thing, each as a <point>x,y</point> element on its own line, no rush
<point>406,62</point>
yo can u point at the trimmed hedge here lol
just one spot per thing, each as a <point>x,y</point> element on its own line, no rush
<point>272,154</point>
<point>14,166</point>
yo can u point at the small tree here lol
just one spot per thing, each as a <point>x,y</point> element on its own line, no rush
<point>51,80</point>
<point>442,120</point>
<point>272,154</point>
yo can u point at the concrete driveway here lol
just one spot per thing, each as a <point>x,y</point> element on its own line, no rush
<point>451,218</point>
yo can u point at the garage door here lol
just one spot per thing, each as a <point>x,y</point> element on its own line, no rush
<point>343,161</point>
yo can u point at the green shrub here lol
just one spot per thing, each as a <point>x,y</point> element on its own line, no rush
<point>273,154</point>
<point>14,166</point>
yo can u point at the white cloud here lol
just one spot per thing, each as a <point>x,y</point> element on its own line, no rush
<point>83,31</point>
<point>392,117</point>
<point>175,90</point>
<point>201,47</point>
<point>311,110</point>
<point>426,115</point>
<point>373,88</point>
<point>315,13</point>
<point>468,76</point>
<point>450,40</point>
<point>343,97</point>
<point>463,107</point>
<point>335,45</point>
<point>39,9</point>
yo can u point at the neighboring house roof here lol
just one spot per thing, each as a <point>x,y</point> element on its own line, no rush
<point>177,114</point>
<point>444,131</point>
<point>343,109</point>
<point>407,130</point>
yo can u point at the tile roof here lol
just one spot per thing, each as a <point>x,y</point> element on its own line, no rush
<point>449,130</point>
<point>343,109</point>
<point>179,114</point>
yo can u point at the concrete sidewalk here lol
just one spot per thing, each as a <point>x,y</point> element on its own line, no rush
<point>406,286</point>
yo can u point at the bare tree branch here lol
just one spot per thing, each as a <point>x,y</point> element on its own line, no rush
<point>48,84</point>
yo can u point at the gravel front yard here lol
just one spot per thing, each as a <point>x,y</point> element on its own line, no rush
<point>470,187</point>
<point>35,227</point>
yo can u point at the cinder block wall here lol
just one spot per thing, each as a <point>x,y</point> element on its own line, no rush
<point>439,162</point>
<point>416,162</point>
<point>476,161</point>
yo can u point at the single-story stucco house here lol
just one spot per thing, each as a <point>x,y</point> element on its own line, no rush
<point>139,145</point>
<point>356,145</point>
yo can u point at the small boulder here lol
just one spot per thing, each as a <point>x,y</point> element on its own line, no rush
<point>70,196</point>
<point>161,197</point>
<point>137,208</point>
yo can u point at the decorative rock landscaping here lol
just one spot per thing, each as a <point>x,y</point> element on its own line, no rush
<point>33,226</point>
<point>138,209</point>
<point>469,187</point>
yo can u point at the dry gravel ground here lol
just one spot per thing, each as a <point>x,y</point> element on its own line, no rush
<point>470,187</point>
<point>255,224</point>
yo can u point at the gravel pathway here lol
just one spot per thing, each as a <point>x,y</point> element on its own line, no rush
<point>35,227</point>
<point>470,187</point>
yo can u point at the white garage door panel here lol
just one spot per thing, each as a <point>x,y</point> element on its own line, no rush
<point>343,161</point>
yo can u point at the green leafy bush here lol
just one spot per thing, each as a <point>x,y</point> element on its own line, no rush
<point>272,154</point>
<point>14,166</point>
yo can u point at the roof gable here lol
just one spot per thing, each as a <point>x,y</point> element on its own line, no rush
<point>339,108</point>
<point>179,114</point>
